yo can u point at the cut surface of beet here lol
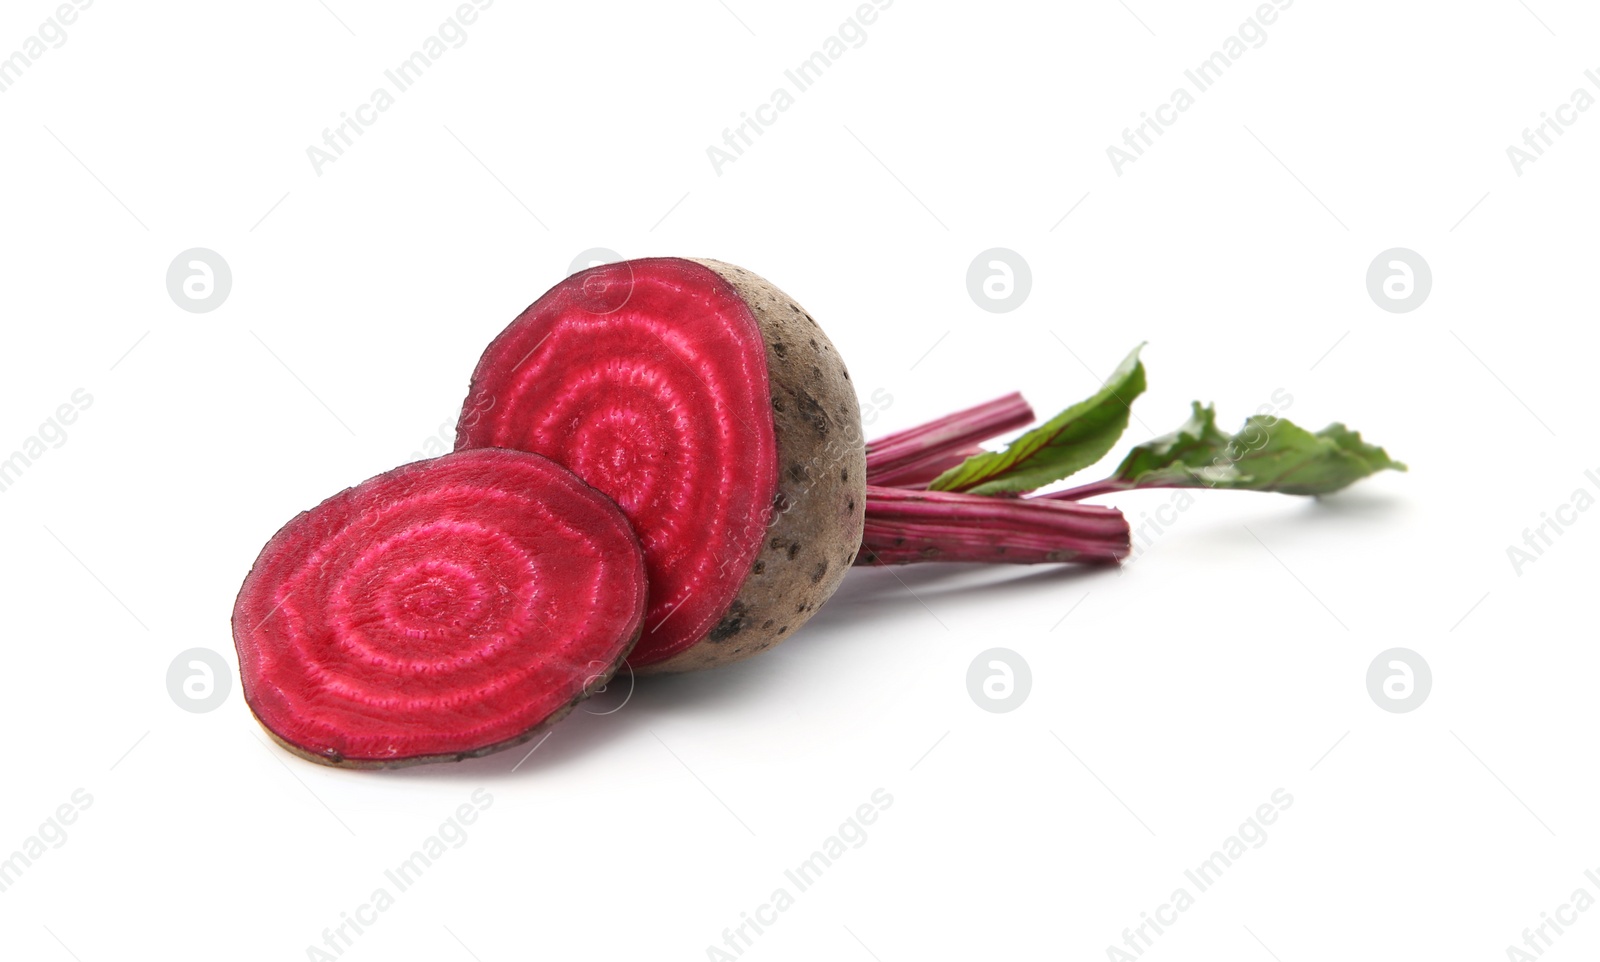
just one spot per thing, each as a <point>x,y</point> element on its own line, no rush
<point>447,608</point>
<point>649,379</point>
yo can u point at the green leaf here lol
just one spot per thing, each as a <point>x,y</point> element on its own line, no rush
<point>1062,446</point>
<point>1269,454</point>
<point>1174,457</point>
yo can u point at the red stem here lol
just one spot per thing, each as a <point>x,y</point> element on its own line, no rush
<point>906,526</point>
<point>917,474</point>
<point>905,458</point>
<point>1091,490</point>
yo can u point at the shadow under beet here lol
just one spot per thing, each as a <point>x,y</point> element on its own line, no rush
<point>631,706</point>
<point>628,707</point>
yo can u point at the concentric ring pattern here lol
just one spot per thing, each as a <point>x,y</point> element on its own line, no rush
<point>443,608</point>
<point>649,380</point>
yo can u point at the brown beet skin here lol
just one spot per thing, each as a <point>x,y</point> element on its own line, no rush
<point>717,414</point>
<point>820,505</point>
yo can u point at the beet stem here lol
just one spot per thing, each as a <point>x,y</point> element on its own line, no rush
<point>917,474</point>
<point>905,526</point>
<point>905,458</point>
<point>1091,490</point>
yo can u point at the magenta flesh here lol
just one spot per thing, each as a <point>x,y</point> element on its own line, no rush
<point>647,378</point>
<point>443,610</point>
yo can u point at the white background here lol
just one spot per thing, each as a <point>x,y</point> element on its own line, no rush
<point>1171,702</point>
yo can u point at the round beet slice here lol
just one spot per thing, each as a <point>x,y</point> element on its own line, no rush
<point>717,414</point>
<point>444,610</point>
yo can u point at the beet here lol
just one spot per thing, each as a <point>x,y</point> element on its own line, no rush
<point>454,607</point>
<point>717,414</point>
<point>444,610</point>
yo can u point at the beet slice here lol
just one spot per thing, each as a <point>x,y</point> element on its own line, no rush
<point>717,414</point>
<point>444,610</point>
